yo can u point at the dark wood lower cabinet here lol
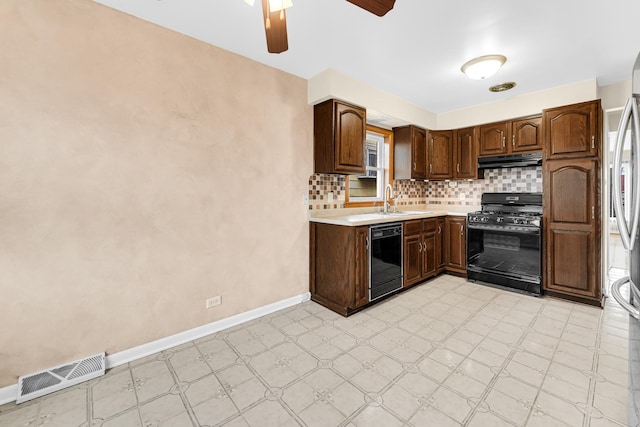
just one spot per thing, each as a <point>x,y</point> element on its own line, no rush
<point>456,245</point>
<point>420,251</point>
<point>339,266</point>
<point>339,259</point>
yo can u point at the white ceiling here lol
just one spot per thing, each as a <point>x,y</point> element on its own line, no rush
<point>416,50</point>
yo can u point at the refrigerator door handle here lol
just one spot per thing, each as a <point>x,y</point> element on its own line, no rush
<point>635,132</point>
<point>617,295</point>
<point>617,191</point>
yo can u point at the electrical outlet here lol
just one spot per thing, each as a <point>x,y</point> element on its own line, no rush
<point>212,302</point>
<point>330,196</point>
<point>305,199</point>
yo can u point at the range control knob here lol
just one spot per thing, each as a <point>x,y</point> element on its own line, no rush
<point>500,219</point>
<point>484,219</point>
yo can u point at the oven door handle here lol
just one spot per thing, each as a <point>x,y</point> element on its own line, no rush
<point>534,231</point>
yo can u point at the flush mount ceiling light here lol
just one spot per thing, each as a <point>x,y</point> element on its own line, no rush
<point>502,87</point>
<point>483,67</point>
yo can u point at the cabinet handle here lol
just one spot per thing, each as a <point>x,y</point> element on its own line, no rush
<point>366,243</point>
<point>420,247</point>
<point>430,167</point>
<point>593,212</point>
<point>593,142</point>
<point>513,140</point>
<point>414,165</point>
<point>458,168</point>
<point>504,141</point>
<point>439,229</point>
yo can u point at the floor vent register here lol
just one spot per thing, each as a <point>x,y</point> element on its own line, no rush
<point>53,379</point>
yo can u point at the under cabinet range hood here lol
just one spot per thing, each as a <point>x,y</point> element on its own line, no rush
<point>510,161</point>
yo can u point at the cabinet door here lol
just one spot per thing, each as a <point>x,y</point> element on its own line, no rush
<point>361,279</point>
<point>419,153</point>
<point>456,243</point>
<point>440,245</point>
<point>572,227</point>
<point>350,137</point>
<point>440,155</point>
<point>526,134</point>
<point>412,259</point>
<point>429,262</point>
<point>493,139</point>
<point>466,159</point>
<point>572,131</point>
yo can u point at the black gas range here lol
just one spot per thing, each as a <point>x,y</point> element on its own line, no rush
<point>504,242</point>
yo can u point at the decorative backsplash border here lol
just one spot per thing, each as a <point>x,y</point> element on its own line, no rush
<point>452,193</point>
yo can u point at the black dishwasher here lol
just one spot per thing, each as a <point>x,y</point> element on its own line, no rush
<point>385,264</point>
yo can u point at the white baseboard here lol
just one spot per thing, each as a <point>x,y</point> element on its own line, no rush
<point>9,393</point>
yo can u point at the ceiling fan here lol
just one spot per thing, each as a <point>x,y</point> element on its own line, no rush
<point>275,19</point>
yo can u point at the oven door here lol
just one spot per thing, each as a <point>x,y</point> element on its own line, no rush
<point>510,256</point>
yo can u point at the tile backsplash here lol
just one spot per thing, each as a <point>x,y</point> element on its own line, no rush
<point>453,193</point>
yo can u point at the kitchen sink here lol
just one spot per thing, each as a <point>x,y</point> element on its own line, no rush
<point>382,215</point>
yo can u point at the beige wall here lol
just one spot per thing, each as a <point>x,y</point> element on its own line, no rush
<point>141,172</point>
<point>519,106</point>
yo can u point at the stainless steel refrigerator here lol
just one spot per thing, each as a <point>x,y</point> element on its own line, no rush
<point>626,197</point>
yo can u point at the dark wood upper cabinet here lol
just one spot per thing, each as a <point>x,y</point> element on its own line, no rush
<point>410,152</point>
<point>440,155</point>
<point>526,134</point>
<point>339,138</point>
<point>465,158</point>
<point>513,136</point>
<point>571,213</point>
<point>572,131</point>
<point>492,139</point>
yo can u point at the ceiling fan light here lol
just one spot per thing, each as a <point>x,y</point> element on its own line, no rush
<point>483,67</point>
<point>250,2</point>
<point>277,5</point>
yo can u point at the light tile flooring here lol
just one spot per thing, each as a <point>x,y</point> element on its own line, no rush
<point>446,353</point>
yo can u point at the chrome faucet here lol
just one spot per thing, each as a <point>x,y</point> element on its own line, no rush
<point>388,195</point>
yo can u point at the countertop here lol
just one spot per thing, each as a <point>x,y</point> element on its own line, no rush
<point>366,216</point>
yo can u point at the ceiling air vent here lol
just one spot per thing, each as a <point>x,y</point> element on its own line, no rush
<point>59,377</point>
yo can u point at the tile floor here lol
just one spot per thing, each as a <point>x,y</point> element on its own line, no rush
<point>446,353</point>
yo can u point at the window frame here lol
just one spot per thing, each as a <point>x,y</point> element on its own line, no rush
<point>387,170</point>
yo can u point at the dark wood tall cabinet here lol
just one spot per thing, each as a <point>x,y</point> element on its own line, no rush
<point>339,138</point>
<point>573,131</point>
<point>410,152</point>
<point>571,181</point>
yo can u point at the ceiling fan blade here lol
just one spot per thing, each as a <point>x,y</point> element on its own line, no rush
<point>275,28</point>
<point>377,7</point>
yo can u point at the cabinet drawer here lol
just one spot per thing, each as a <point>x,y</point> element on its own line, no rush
<point>430,225</point>
<point>412,227</point>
